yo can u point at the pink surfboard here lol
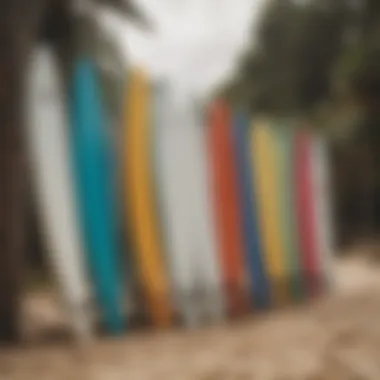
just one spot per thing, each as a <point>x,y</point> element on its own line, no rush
<point>306,218</point>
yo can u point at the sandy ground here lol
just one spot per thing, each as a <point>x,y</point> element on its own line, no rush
<point>336,338</point>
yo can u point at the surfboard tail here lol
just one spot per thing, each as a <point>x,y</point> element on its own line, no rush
<point>297,285</point>
<point>190,303</point>
<point>160,313</point>
<point>280,291</point>
<point>260,295</point>
<point>214,304</point>
<point>238,302</point>
<point>81,316</point>
<point>314,283</point>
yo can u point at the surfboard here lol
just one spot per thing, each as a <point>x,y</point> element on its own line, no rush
<point>142,202</point>
<point>258,278</point>
<point>267,182</point>
<point>306,217</point>
<point>226,208</point>
<point>287,199</point>
<point>174,179</point>
<point>115,102</point>
<point>96,189</point>
<point>323,212</point>
<point>185,209</point>
<point>48,149</point>
<point>213,303</point>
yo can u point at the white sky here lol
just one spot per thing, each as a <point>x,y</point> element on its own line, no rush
<point>196,42</point>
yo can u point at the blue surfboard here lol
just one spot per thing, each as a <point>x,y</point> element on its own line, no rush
<point>259,283</point>
<point>96,188</point>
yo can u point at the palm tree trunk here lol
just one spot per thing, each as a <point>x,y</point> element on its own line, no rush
<point>18,21</point>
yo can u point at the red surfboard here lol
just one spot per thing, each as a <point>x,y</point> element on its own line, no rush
<point>307,228</point>
<point>226,207</point>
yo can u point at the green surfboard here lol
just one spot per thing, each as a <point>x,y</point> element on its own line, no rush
<point>287,202</point>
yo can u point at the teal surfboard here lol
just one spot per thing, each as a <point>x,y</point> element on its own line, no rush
<point>96,188</point>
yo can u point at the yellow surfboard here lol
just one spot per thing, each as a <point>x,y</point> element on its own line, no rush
<point>141,206</point>
<point>263,154</point>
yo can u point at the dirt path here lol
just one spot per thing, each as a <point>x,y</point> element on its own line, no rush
<point>337,338</point>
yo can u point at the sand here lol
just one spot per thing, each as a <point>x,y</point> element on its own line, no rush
<point>334,338</point>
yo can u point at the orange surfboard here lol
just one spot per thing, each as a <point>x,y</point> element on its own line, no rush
<point>141,205</point>
<point>226,207</point>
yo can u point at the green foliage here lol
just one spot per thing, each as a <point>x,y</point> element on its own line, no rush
<point>289,67</point>
<point>106,52</point>
<point>97,41</point>
<point>78,30</point>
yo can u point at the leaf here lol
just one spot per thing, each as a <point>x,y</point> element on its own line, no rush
<point>130,10</point>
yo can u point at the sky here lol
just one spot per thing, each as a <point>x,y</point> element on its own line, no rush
<point>195,44</point>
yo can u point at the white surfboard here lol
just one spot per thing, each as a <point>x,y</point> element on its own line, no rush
<point>324,225</point>
<point>50,163</point>
<point>208,265</point>
<point>171,155</point>
<point>184,208</point>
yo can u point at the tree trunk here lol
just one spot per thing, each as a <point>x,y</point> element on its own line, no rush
<point>18,24</point>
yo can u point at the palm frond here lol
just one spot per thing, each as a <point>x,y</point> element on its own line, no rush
<point>113,72</point>
<point>130,10</point>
